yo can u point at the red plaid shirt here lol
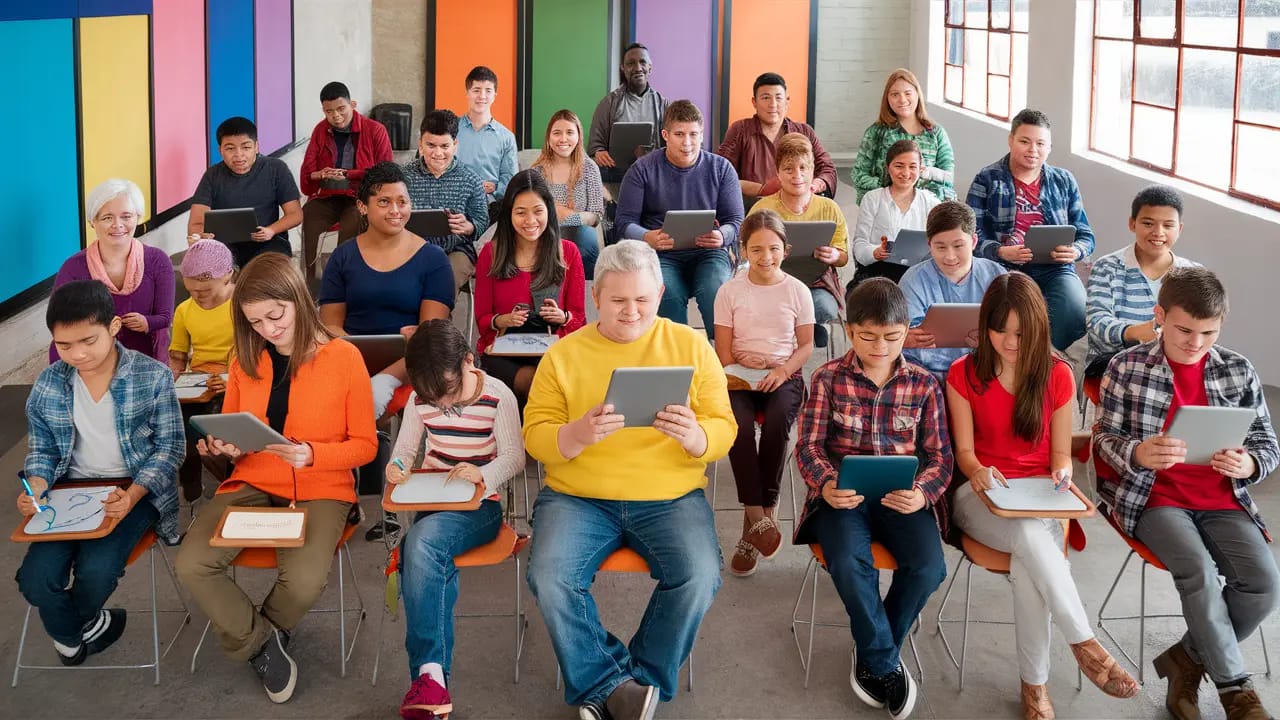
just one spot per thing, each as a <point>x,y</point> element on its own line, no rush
<point>846,414</point>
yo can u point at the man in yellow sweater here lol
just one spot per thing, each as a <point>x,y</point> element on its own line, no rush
<point>610,487</point>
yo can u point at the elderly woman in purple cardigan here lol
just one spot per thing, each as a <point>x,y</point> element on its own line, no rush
<point>140,277</point>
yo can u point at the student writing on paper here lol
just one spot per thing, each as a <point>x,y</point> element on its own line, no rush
<point>528,280</point>
<point>1200,521</point>
<point>100,411</point>
<point>634,100</point>
<point>900,205</point>
<point>796,200</point>
<point>641,487</point>
<point>575,184</point>
<point>903,116</point>
<point>1011,408</point>
<point>295,376</point>
<point>461,421</point>
<point>764,319</point>
<point>872,402</point>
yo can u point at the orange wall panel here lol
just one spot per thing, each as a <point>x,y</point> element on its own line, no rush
<point>470,33</point>
<point>768,36</point>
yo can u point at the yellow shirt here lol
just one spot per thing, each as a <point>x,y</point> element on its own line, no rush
<point>204,335</point>
<point>632,463</point>
<point>820,208</point>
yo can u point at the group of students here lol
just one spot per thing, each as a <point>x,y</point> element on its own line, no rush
<point>1000,410</point>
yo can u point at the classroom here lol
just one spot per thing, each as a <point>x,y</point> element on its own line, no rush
<point>635,359</point>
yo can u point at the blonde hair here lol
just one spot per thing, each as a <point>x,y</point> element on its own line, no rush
<point>793,146</point>
<point>887,116</point>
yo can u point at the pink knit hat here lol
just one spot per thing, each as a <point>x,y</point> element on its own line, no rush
<point>206,260</point>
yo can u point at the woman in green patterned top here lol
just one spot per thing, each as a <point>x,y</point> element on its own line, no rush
<point>903,117</point>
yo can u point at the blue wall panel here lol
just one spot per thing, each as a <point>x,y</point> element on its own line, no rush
<point>108,8</point>
<point>37,10</point>
<point>231,73</point>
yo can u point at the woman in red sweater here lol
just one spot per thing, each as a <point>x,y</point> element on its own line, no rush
<point>528,280</point>
<point>293,374</point>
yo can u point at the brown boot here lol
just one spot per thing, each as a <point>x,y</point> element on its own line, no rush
<point>1035,703</point>
<point>1101,669</point>
<point>1184,676</point>
<point>1243,703</point>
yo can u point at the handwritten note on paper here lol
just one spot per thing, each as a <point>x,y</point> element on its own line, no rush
<point>70,510</point>
<point>1034,494</point>
<point>522,344</point>
<point>425,488</point>
<point>284,525</point>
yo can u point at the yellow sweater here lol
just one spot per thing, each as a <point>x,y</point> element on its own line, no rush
<point>632,463</point>
<point>206,336</point>
<point>820,208</point>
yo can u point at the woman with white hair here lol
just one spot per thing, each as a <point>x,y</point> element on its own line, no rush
<point>639,487</point>
<point>140,277</point>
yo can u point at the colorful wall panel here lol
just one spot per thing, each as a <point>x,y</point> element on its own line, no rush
<point>683,52</point>
<point>230,63</point>
<point>458,47</point>
<point>273,70</point>
<point>178,104</point>
<point>48,9</point>
<point>34,249</point>
<point>110,8</point>
<point>768,36</point>
<point>115,101</point>
<point>570,66</point>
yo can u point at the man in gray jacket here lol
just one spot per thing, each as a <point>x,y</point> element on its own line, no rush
<point>632,101</point>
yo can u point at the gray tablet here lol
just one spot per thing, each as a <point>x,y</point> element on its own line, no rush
<point>1042,239</point>
<point>242,429</point>
<point>908,248</point>
<point>625,138</point>
<point>429,223</point>
<point>233,225</point>
<point>875,476</point>
<point>953,325</point>
<point>638,393</point>
<point>1208,430</point>
<point>684,226</point>
<point>378,351</point>
<point>804,237</point>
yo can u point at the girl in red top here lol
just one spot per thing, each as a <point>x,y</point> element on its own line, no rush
<point>528,280</point>
<point>1010,408</point>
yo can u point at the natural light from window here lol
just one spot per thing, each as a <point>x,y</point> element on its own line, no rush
<point>986,56</point>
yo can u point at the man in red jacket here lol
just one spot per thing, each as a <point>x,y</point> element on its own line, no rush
<point>342,147</point>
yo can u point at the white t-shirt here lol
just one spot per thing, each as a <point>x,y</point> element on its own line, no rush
<point>96,451</point>
<point>879,216</point>
<point>763,318</point>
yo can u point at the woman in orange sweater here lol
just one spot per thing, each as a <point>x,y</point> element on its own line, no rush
<point>312,388</point>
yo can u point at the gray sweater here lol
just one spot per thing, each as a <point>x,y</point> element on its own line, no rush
<point>621,106</point>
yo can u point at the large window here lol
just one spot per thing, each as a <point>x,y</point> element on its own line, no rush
<point>986,61</point>
<point>1191,88</point>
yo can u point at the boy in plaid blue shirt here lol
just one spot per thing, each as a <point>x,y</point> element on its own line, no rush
<point>1198,519</point>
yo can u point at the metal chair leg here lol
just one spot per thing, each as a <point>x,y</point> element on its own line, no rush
<point>22,643</point>
<point>964,636</point>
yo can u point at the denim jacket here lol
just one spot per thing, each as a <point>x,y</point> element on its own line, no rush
<point>992,197</point>
<point>148,423</point>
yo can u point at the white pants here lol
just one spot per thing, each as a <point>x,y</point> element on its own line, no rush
<point>1043,588</point>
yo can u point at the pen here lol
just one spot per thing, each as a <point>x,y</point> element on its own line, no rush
<point>399,463</point>
<point>23,477</point>
<point>996,477</point>
<point>1061,480</point>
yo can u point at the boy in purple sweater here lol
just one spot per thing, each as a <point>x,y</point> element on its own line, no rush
<point>683,177</point>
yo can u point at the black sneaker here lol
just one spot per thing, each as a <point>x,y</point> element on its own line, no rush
<point>278,671</point>
<point>393,528</point>
<point>593,711</point>
<point>100,634</point>
<point>71,660</point>
<point>868,687</point>
<point>900,693</point>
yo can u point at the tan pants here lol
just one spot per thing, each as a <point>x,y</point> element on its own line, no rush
<point>463,269</point>
<point>318,215</point>
<point>302,573</point>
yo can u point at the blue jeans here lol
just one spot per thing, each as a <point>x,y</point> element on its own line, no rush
<point>430,580</point>
<point>825,310</point>
<point>572,536</point>
<point>880,627</point>
<point>98,565</point>
<point>696,273</point>
<point>1064,295</point>
<point>586,238</point>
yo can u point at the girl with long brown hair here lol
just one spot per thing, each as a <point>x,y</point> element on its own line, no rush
<point>903,117</point>
<point>575,184</point>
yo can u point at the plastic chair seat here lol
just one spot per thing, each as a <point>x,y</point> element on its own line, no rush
<point>1135,545</point>
<point>987,558</point>
<point>1093,390</point>
<point>144,544</point>
<point>881,558</point>
<point>625,560</point>
<point>265,558</point>
<point>506,544</point>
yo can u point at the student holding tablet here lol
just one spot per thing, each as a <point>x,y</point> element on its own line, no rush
<point>764,320</point>
<point>1011,411</point>
<point>635,100</point>
<point>312,388</point>
<point>884,211</point>
<point>871,402</point>
<point>1199,520</point>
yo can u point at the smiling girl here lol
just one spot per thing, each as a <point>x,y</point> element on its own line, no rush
<point>885,211</point>
<point>575,184</point>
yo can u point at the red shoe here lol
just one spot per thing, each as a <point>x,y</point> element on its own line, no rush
<point>426,700</point>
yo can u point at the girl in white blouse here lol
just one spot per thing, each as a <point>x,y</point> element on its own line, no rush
<point>885,211</point>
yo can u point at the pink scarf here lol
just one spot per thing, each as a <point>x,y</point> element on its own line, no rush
<point>132,268</point>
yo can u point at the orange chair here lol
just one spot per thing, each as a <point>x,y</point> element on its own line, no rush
<point>788,488</point>
<point>882,559</point>
<point>265,559</point>
<point>147,544</point>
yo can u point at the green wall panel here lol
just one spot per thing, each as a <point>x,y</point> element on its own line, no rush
<point>571,68</point>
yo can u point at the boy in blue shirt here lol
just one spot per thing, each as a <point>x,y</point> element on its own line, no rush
<point>484,144</point>
<point>101,411</point>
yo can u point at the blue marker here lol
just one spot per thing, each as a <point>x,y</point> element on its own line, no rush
<point>23,477</point>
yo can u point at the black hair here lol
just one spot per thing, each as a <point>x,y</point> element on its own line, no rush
<point>439,122</point>
<point>769,78</point>
<point>1156,196</point>
<point>383,173</point>
<point>480,73</point>
<point>433,360</point>
<point>633,46</point>
<point>334,91</point>
<point>237,125</point>
<point>877,301</point>
<point>80,301</point>
<point>549,265</point>
<point>1029,117</point>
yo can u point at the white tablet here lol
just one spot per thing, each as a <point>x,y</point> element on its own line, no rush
<point>684,226</point>
<point>1209,430</point>
<point>242,429</point>
<point>1041,240</point>
<point>424,488</point>
<point>953,325</point>
<point>638,393</point>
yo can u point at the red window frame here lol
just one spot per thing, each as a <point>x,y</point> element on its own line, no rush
<point>1011,32</point>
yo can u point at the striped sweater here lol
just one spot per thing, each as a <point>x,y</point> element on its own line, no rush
<point>485,433</point>
<point>1119,296</point>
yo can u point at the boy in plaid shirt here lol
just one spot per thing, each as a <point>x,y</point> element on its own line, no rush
<point>871,402</point>
<point>1198,519</point>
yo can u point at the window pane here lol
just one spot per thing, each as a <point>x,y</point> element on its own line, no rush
<point>1204,117</point>
<point>1260,89</point>
<point>975,14</point>
<point>1261,24</point>
<point>1113,18</point>
<point>955,12</point>
<point>998,53</point>
<point>1157,69</point>
<point>1157,18</point>
<point>1256,151</point>
<point>1000,13</point>
<point>955,46</point>
<point>1153,135</point>
<point>1210,22</point>
<point>954,84</point>
<point>1018,98</point>
<point>1021,12</point>
<point>1113,72</point>
<point>998,96</point>
<point>975,70</point>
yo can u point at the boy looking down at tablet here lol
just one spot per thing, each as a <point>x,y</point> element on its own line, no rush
<point>1123,285</point>
<point>1198,520</point>
<point>872,402</point>
<point>100,411</point>
<point>951,275</point>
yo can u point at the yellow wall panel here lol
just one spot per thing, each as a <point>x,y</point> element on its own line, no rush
<point>115,107</point>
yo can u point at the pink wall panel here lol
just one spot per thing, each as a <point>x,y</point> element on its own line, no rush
<point>273,71</point>
<point>178,92</point>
